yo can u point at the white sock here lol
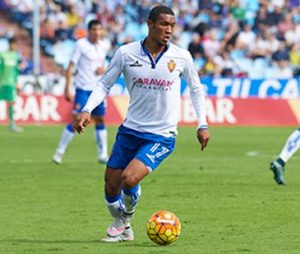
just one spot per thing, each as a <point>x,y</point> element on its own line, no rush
<point>65,140</point>
<point>131,198</point>
<point>101,139</point>
<point>291,146</point>
<point>115,208</point>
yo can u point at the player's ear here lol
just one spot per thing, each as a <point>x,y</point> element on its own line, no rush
<point>150,23</point>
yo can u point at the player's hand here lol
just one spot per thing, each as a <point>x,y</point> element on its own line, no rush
<point>18,88</point>
<point>203,137</point>
<point>99,70</point>
<point>68,95</point>
<point>81,121</point>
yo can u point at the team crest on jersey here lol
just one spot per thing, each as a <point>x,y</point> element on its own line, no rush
<point>171,65</point>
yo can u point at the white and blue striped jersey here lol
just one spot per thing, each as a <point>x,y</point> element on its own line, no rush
<point>153,86</point>
<point>88,56</point>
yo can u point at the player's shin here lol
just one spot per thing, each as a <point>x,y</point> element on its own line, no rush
<point>65,139</point>
<point>291,146</point>
<point>131,197</point>
<point>11,115</point>
<point>114,204</point>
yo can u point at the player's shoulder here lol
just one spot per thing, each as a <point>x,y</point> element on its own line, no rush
<point>82,42</point>
<point>105,42</point>
<point>179,52</point>
<point>130,47</point>
<point>4,54</point>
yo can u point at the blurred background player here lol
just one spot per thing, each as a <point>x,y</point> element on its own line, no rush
<point>89,57</point>
<point>9,72</point>
<point>292,144</point>
<point>152,69</point>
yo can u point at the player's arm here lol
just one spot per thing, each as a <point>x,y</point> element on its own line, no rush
<point>17,73</point>
<point>106,47</point>
<point>198,101</point>
<point>76,54</point>
<point>99,92</point>
<point>68,76</point>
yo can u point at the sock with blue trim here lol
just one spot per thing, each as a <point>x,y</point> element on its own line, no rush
<point>101,139</point>
<point>131,197</point>
<point>114,204</point>
<point>65,139</point>
<point>291,146</point>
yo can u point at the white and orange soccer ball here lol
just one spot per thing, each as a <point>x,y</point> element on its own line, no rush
<point>163,227</point>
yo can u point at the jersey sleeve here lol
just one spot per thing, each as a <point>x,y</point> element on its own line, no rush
<point>196,91</point>
<point>107,45</point>
<point>106,82</point>
<point>76,53</point>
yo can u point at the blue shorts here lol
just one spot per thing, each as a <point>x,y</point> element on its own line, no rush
<point>150,149</point>
<point>81,97</point>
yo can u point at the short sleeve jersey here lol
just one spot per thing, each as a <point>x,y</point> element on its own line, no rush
<point>9,70</point>
<point>153,86</point>
<point>88,57</point>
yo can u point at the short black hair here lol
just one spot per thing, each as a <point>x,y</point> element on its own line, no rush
<point>12,40</point>
<point>159,9</point>
<point>93,22</point>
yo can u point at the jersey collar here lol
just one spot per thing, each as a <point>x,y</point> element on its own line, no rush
<point>153,61</point>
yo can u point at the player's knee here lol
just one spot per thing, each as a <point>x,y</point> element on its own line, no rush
<point>129,180</point>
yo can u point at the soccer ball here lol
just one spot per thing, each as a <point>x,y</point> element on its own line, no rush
<point>163,227</point>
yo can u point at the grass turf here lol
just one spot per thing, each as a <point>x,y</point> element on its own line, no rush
<point>225,197</point>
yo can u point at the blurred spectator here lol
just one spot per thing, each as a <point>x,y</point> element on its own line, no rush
<point>280,70</point>
<point>211,44</point>
<point>72,19</point>
<point>224,65</point>
<point>260,19</point>
<point>26,66</point>
<point>195,46</point>
<point>294,56</point>
<point>247,36</point>
<point>293,4</point>
<point>275,15</point>
<point>238,12</point>
<point>47,32</point>
<point>281,54</point>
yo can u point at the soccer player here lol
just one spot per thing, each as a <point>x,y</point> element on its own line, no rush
<point>292,144</point>
<point>9,72</point>
<point>89,56</point>
<point>152,69</point>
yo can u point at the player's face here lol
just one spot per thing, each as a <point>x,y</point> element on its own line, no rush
<point>95,33</point>
<point>13,46</point>
<point>162,29</point>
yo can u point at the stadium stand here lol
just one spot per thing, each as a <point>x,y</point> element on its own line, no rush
<point>242,38</point>
<point>8,29</point>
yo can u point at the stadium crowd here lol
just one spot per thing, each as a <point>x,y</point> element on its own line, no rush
<point>241,38</point>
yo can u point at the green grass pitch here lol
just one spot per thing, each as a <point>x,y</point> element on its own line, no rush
<point>225,197</point>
